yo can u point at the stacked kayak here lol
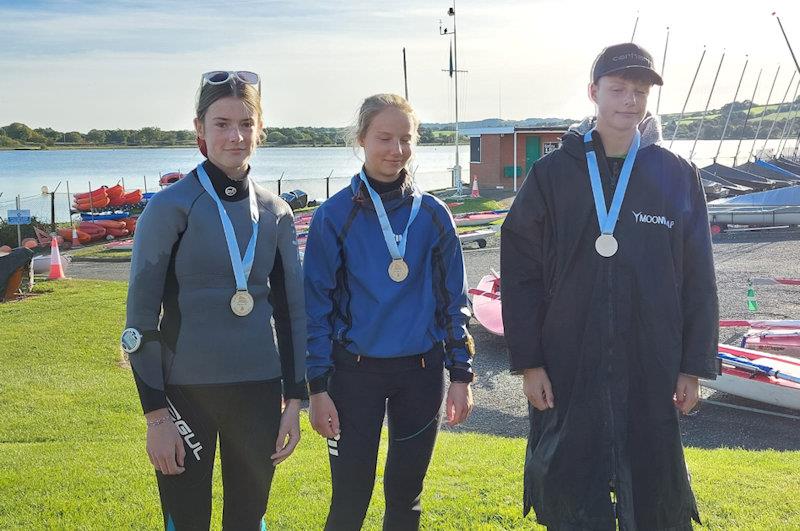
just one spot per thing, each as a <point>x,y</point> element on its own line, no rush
<point>105,197</point>
<point>92,231</point>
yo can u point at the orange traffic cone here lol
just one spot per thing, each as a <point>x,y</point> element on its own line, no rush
<point>56,269</point>
<point>75,241</point>
<point>475,192</point>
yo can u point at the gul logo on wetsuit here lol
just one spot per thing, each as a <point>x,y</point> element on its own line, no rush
<point>185,431</point>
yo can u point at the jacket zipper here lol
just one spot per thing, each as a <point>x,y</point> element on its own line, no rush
<point>609,398</point>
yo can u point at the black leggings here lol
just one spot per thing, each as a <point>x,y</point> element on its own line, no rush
<point>364,390</point>
<point>246,417</point>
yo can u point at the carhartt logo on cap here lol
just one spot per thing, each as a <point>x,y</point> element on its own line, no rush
<point>629,56</point>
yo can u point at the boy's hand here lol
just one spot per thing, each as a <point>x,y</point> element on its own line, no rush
<point>537,388</point>
<point>687,393</point>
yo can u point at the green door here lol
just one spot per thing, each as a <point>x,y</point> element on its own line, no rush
<point>533,151</point>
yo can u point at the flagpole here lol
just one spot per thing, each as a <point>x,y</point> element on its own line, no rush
<point>454,72</point>
<point>457,167</point>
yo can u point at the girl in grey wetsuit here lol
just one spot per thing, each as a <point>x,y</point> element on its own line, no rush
<point>214,260</point>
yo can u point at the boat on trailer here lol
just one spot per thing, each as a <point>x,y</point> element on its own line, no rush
<point>769,208</point>
<point>760,376</point>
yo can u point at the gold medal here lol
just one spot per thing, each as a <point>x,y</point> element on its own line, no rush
<point>606,245</point>
<point>242,303</point>
<point>398,270</point>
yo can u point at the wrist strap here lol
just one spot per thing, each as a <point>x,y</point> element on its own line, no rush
<point>154,423</point>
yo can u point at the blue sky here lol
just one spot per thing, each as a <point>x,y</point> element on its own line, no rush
<point>76,65</point>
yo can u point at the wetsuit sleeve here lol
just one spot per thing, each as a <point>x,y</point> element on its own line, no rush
<point>521,273</point>
<point>700,304</point>
<point>450,285</point>
<point>288,304</point>
<point>320,265</point>
<point>157,231</point>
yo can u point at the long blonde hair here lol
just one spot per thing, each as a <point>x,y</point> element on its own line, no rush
<point>374,105</point>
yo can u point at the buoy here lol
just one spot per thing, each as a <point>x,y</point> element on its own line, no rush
<point>752,303</point>
<point>56,269</point>
<point>76,242</point>
<point>475,192</point>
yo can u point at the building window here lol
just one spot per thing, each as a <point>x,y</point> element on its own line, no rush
<point>474,149</point>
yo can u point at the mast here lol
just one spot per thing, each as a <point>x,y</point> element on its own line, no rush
<point>780,106</point>
<point>405,73</point>
<point>708,102</point>
<point>678,121</point>
<point>749,108</point>
<point>663,66</point>
<point>787,127</point>
<point>766,107</point>
<point>730,110</point>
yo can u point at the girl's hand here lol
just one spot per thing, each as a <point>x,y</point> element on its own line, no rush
<point>288,433</point>
<point>324,417</point>
<point>459,402</point>
<point>164,444</point>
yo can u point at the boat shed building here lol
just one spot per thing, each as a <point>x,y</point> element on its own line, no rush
<point>493,151</point>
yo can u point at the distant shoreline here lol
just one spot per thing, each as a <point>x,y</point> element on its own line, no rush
<point>112,146</point>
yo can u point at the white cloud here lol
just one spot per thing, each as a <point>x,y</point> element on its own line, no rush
<point>137,63</point>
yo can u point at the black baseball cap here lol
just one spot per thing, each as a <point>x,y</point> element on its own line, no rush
<point>614,59</point>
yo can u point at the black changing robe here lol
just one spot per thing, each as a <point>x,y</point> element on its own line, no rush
<point>612,333</point>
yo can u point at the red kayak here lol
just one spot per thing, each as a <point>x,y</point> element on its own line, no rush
<point>486,304</point>
<point>94,194</point>
<point>115,191</point>
<point>785,342</point>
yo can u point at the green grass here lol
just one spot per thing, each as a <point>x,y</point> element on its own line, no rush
<point>98,252</point>
<point>72,443</point>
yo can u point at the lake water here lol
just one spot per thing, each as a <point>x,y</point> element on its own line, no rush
<point>25,172</point>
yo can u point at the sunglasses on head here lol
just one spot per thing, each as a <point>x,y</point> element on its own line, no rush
<point>220,77</point>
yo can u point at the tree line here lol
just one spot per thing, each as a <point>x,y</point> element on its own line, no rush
<point>19,135</point>
<point>740,125</point>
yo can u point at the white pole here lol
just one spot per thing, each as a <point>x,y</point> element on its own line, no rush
<point>19,228</point>
<point>69,204</point>
<point>515,159</point>
<point>457,168</point>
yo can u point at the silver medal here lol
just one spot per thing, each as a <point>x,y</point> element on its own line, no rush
<point>242,303</point>
<point>606,245</point>
<point>398,270</point>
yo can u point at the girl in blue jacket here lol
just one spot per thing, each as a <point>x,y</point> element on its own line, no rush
<point>387,310</point>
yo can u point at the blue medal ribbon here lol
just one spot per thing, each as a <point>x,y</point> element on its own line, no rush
<point>608,219</point>
<point>396,243</point>
<point>241,266</point>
